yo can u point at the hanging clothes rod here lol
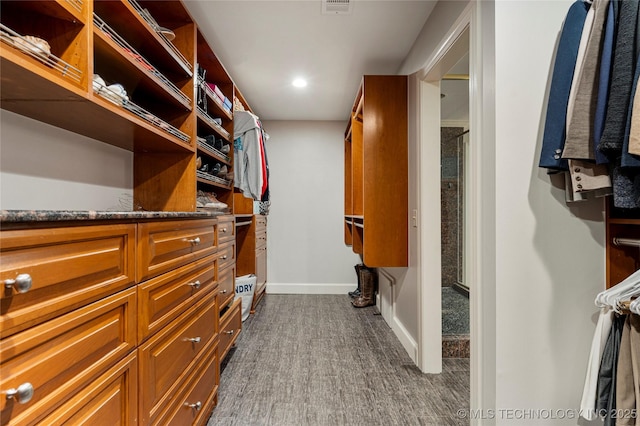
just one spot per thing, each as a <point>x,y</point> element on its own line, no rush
<point>632,242</point>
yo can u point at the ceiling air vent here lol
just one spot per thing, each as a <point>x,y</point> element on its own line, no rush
<point>337,7</point>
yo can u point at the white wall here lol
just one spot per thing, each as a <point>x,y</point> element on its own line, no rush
<point>549,257</point>
<point>46,168</point>
<point>541,261</point>
<point>305,224</point>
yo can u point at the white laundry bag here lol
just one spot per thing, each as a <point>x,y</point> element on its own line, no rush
<point>245,287</point>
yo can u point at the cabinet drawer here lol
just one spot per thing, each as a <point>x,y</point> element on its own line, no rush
<point>261,223</point>
<point>261,239</point>
<point>163,246</point>
<point>261,266</point>
<point>198,397</point>
<point>60,356</point>
<point>230,326</point>
<point>68,268</point>
<point>163,298</point>
<point>226,254</point>
<point>171,351</point>
<point>226,228</point>
<point>112,399</point>
<point>226,285</point>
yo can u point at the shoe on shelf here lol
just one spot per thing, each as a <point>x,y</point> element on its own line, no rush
<point>208,200</point>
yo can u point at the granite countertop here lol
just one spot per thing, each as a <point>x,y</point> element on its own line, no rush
<point>17,216</point>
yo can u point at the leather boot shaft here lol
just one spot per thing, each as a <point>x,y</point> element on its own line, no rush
<point>368,283</point>
<point>358,290</point>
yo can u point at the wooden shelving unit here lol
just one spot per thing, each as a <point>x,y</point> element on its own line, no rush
<point>376,172</point>
<point>622,246</point>
<point>168,131</point>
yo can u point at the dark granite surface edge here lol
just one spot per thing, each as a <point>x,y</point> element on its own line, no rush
<point>13,216</point>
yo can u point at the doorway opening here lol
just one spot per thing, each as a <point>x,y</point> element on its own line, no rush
<point>454,141</point>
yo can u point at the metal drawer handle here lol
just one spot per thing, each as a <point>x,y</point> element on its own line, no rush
<point>230,332</point>
<point>193,339</point>
<point>195,284</point>
<point>224,292</point>
<point>22,283</point>
<point>197,406</point>
<point>224,230</point>
<point>223,257</point>
<point>195,241</point>
<point>22,393</point>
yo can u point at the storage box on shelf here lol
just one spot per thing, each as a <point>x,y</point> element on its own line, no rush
<point>376,172</point>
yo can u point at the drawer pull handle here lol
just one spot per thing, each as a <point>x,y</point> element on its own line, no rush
<point>22,393</point>
<point>195,241</point>
<point>22,283</point>
<point>223,257</point>
<point>230,332</point>
<point>224,292</point>
<point>193,339</point>
<point>195,284</point>
<point>197,406</point>
<point>224,230</point>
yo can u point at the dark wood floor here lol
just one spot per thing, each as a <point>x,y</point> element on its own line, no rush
<point>316,360</point>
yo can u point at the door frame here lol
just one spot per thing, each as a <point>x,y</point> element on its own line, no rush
<point>478,18</point>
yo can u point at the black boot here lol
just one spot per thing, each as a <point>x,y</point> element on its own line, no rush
<point>356,292</point>
<point>368,284</point>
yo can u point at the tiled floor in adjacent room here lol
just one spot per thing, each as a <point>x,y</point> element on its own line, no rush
<point>316,360</point>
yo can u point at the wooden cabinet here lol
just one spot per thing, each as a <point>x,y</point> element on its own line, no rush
<point>227,272</point>
<point>161,299</point>
<point>103,347</point>
<point>66,63</point>
<point>199,394</point>
<point>230,327</point>
<point>64,268</point>
<point>163,246</point>
<point>623,245</point>
<point>111,399</point>
<point>251,239</point>
<point>61,356</point>
<point>171,352</point>
<point>376,172</point>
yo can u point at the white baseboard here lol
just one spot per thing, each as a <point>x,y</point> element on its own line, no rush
<point>309,288</point>
<point>408,343</point>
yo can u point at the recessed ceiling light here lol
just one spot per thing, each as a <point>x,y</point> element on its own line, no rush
<point>299,82</point>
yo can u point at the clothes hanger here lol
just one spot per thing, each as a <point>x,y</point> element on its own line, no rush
<point>627,287</point>
<point>626,296</point>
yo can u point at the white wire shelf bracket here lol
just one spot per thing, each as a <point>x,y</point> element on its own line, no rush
<point>204,145</point>
<point>76,4</point>
<point>137,110</point>
<point>212,178</point>
<point>23,44</point>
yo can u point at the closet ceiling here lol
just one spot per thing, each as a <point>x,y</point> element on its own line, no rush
<point>266,44</point>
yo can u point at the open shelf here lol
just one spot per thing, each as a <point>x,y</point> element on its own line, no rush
<point>126,18</point>
<point>204,118</point>
<point>204,148</point>
<point>117,55</point>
